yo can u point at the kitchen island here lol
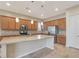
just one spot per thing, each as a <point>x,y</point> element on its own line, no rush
<point>20,46</point>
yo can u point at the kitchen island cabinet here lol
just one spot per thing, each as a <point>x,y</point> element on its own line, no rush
<point>20,46</point>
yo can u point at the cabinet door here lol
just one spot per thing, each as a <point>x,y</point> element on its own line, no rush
<point>23,22</point>
<point>61,39</point>
<point>34,26</point>
<point>12,23</point>
<point>17,25</point>
<point>29,25</point>
<point>53,23</point>
<point>4,22</point>
<point>46,24</point>
<point>26,22</point>
<point>62,23</point>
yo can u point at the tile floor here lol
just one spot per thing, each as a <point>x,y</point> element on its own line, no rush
<point>60,51</point>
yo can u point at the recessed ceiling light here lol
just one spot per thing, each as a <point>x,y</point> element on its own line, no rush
<point>56,9</point>
<point>29,11</point>
<point>8,4</point>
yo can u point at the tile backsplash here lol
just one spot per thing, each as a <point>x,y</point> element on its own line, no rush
<point>5,33</point>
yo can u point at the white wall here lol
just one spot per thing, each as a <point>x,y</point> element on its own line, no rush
<point>70,12</point>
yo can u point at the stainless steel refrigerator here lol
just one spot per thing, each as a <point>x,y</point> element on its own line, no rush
<point>53,30</point>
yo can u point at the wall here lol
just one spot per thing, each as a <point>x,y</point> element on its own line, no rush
<point>70,12</point>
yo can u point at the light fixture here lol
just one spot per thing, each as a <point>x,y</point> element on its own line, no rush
<point>56,9</point>
<point>29,11</point>
<point>8,4</point>
<point>17,19</point>
<point>32,21</point>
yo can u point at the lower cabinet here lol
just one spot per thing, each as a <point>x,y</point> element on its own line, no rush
<point>61,39</point>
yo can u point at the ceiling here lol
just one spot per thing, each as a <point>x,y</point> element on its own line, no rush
<point>38,9</point>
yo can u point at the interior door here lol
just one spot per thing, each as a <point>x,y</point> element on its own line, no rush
<point>74,30</point>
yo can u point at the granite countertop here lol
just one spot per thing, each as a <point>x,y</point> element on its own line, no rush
<point>16,39</point>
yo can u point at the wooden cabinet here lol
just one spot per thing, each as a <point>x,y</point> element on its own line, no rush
<point>34,25</point>
<point>11,23</point>
<point>46,24</point>
<point>23,22</point>
<point>61,23</point>
<point>50,23</point>
<point>29,25</point>
<point>54,22</point>
<point>61,39</point>
<point>17,25</point>
<point>7,23</point>
<point>4,22</point>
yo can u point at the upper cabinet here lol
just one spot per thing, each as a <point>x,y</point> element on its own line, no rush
<point>17,25</point>
<point>34,25</point>
<point>11,23</point>
<point>46,24</point>
<point>61,23</point>
<point>4,22</point>
<point>28,24</point>
<point>7,23</point>
<point>23,22</point>
<point>54,22</point>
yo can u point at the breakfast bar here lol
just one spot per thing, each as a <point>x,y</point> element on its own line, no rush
<point>19,46</point>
